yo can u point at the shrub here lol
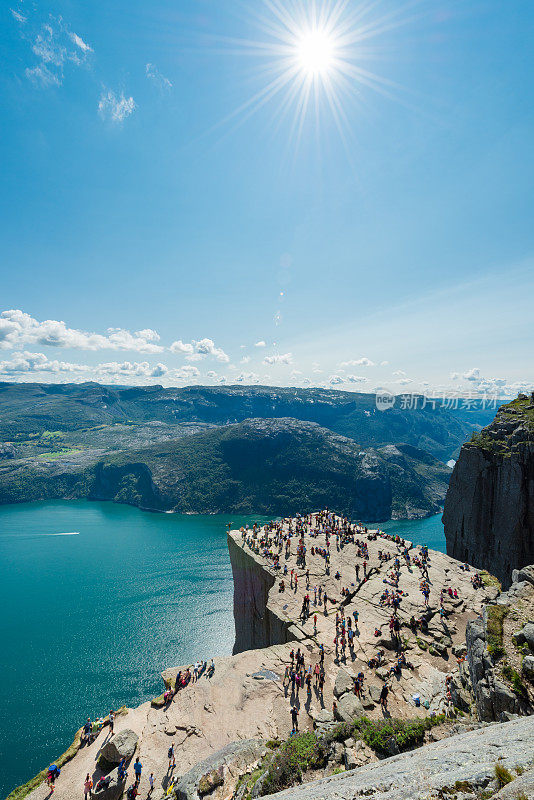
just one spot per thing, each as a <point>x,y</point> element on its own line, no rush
<point>494,630</point>
<point>503,775</point>
<point>515,679</point>
<point>299,753</point>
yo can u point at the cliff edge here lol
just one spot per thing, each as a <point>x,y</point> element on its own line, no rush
<point>489,507</point>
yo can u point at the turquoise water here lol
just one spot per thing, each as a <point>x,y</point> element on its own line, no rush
<point>427,531</point>
<point>91,618</point>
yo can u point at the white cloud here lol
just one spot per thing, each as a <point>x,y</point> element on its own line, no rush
<point>295,373</point>
<point>335,380</point>
<point>185,373</point>
<point>197,350</point>
<point>384,363</point>
<point>181,347</point>
<point>79,42</point>
<point>358,362</point>
<point>115,108</point>
<point>284,359</point>
<point>207,347</point>
<point>55,46</point>
<point>472,374</point>
<point>18,329</point>
<point>245,360</point>
<point>37,362</point>
<point>42,76</point>
<point>400,373</point>
<point>357,379</point>
<point>129,369</point>
<point>455,376</point>
<point>403,381</point>
<point>247,377</point>
<point>19,17</point>
<point>261,343</point>
<point>157,78</point>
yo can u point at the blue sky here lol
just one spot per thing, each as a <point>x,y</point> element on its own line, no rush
<point>151,231</point>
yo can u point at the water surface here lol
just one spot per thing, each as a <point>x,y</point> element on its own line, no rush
<point>97,599</point>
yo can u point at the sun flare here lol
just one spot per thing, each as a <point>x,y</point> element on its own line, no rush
<point>315,61</point>
<point>315,52</point>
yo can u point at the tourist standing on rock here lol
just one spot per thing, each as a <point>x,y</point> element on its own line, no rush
<point>111,721</point>
<point>151,784</point>
<point>294,719</point>
<point>384,696</point>
<point>88,786</point>
<point>87,731</point>
<point>138,768</point>
<point>171,757</point>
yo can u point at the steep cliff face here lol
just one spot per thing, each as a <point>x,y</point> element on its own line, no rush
<point>489,508</point>
<point>256,625</point>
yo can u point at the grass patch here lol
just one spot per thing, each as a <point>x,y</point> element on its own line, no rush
<point>494,630</point>
<point>58,454</point>
<point>421,644</point>
<point>377,734</point>
<point>298,754</point>
<point>515,679</point>
<point>503,775</point>
<point>490,580</point>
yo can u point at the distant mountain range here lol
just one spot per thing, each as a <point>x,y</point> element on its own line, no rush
<point>228,449</point>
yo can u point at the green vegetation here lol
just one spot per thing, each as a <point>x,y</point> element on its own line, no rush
<point>515,679</point>
<point>296,756</point>
<point>422,644</point>
<point>67,451</point>
<point>494,630</point>
<point>490,580</point>
<point>503,775</point>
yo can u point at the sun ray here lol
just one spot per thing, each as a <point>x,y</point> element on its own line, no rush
<point>314,58</point>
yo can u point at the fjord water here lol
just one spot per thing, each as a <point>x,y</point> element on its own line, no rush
<point>97,599</point>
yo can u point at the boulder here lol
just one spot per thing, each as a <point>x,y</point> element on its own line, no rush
<point>323,717</point>
<point>337,753</point>
<point>114,789</point>
<point>348,708</point>
<point>368,703</point>
<point>528,634</point>
<point>525,574</point>
<point>344,683</point>
<point>528,666</point>
<point>121,745</point>
<point>217,775</point>
<point>374,692</point>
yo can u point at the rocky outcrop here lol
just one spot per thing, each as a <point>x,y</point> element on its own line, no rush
<point>256,624</point>
<point>494,681</point>
<point>465,762</point>
<point>121,745</point>
<point>217,775</point>
<point>494,699</point>
<point>489,508</point>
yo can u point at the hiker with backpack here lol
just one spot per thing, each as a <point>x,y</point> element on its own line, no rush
<point>170,756</point>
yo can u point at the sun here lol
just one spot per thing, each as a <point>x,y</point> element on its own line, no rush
<point>315,52</point>
<point>314,61</point>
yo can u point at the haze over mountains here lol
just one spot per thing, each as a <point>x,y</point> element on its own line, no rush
<point>228,449</point>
